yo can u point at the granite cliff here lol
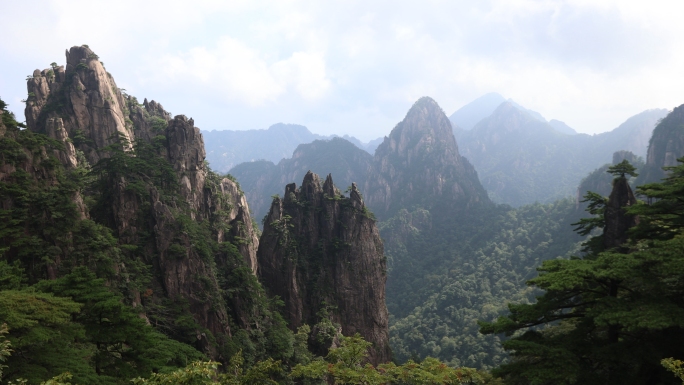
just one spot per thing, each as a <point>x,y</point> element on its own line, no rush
<point>665,147</point>
<point>322,254</point>
<point>170,212</point>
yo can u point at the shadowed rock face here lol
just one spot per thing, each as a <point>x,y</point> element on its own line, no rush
<point>617,220</point>
<point>82,103</point>
<point>319,246</point>
<point>419,163</point>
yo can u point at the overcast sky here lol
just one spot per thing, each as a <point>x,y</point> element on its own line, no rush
<point>356,67</point>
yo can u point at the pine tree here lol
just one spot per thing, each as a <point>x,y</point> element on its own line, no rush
<point>126,346</point>
<point>610,316</point>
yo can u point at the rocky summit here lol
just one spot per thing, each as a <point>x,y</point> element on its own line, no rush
<point>322,254</point>
<point>158,195</point>
<point>419,165</point>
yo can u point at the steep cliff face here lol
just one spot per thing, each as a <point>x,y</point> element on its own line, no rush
<point>321,249</point>
<point>85,96</point>
<point>419,163</point>
<point>665,147</point>
<point>153,189</point>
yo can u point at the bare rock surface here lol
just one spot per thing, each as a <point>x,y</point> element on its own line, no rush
<point>665,147</point>
<point>321,249</point>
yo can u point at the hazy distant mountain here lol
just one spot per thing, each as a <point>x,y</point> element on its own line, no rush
<point>469,115</point>
<point>262,179</point>
<point>227,148</point>
<point>521,159</point>
<point>373,145</point>
<point>562,127</point>
<point>472,113</point>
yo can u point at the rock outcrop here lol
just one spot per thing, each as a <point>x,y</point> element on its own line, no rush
<point>419,164</point>
<point>600,181</point>
<point>665,147</point>
<point>85,96</point>
<point>617,221</point>
<point>166,203</point>
<point>322,251</point>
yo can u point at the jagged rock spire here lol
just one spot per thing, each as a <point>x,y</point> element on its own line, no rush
<point>321,247</point>
<point>419,164</point>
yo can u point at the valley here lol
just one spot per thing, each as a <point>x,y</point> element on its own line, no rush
<point>137,247</point>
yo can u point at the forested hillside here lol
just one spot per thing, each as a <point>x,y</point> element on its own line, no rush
<point>614,315</point>
<point>123,257</point>
<point>447,270</point>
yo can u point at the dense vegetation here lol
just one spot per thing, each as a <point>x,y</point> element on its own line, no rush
<point>81,299</point>
<point>611,316</point>
<point>450,269</point>
<point>75,297</point>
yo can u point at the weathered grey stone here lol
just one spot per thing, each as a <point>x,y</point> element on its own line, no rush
<point>320,247</point>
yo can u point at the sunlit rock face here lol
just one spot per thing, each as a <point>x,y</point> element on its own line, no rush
<point>82,107</point>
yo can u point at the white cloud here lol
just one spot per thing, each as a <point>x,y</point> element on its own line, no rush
<point>240,73</point>
<point>326,64</point>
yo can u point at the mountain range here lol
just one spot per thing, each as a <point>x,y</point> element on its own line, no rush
<point>228,148</point>
<point>123,254</point>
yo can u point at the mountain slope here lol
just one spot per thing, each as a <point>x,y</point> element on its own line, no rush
<point>521,160</point>
<point>469,115</point>
<point>185,234</point>
<point>419,163</point>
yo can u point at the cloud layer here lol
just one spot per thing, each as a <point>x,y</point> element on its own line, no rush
<point>355,68</point>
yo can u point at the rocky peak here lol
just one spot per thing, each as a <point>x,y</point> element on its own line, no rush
<point>169,224</point>
<point>85,96</point>
<point>186,154</point>
<point>322,251</point>
<point>617,220</point>
<point>419,162</point>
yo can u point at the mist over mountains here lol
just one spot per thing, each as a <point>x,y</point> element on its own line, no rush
<point>519,156</point>
<point>228,148</point>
